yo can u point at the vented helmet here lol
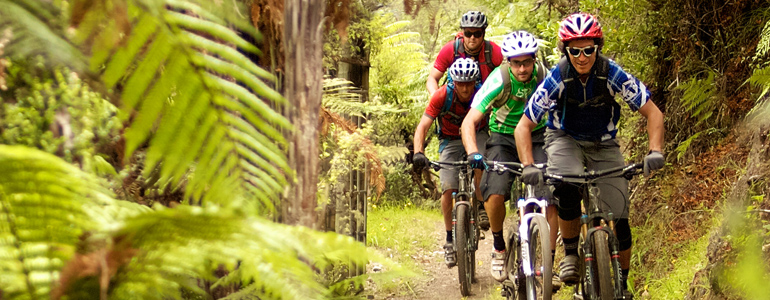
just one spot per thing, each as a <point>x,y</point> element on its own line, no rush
<point>464,70</point>
<point>518,43</point>
<point>580,26</point>
<point>473,19</point>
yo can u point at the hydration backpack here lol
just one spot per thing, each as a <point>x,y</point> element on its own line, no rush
<point>505,76</point>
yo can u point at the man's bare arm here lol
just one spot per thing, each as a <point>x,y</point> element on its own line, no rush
<point>433,78</point>
<point>420,133</point>
<point>655,129</point>
<point>523,137</point>
<point>468,130</point>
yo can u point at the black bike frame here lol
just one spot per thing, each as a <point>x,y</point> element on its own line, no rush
<point>597,220</point>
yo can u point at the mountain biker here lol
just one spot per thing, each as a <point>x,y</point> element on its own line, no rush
<point>471,44</point>
<point>506,103</point>
<point>459,91</point>
<point>579,98</point>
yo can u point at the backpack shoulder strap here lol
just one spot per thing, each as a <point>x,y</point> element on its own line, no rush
<point>602,72</point>
<point>505,78</point>
<point>541,71</point>
<point>564,67</point>
<point>488,55</point>
<point>459,48</point>
<point>445,109</point>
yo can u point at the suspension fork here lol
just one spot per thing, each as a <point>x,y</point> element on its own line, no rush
<point>588,256</point>
<point>615,250</point>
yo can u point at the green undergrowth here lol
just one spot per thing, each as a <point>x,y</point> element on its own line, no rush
<point>683,262</point>
<point>663,264</point>
<point>403,233</point>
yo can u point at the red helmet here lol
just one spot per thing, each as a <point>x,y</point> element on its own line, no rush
<point>580,26</point>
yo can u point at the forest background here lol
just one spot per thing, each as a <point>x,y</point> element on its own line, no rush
<point>151,150</point>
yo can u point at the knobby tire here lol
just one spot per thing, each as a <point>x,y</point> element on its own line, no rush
<point>540,286</point>
<point>603,265</point>
<point>465,255</point>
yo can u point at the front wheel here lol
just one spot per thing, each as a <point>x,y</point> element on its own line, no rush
<point>465,253</point>
<point>603,265</point>
<point>539,286</point>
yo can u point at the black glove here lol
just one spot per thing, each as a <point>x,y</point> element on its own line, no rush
<point>532,175</point>
<point>476,161</point>
<point>653,161</point>
<point>419,161</point>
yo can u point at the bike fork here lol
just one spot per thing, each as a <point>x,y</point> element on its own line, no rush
<point>590,272</point>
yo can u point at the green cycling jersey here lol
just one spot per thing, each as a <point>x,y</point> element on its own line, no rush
<point>505,118</point>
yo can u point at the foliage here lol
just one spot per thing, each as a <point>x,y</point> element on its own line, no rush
<point>700,96</point>
<point>60,115</point>
<point>199,111</point>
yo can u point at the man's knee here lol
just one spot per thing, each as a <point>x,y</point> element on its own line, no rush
<point>623,231</point>
<point>569,201</point>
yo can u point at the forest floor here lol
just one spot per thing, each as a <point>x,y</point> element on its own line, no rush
<point>434,280</point>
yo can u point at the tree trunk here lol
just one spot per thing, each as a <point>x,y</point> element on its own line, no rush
<point>303,45</point>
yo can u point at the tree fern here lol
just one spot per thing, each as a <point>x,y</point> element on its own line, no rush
<point>178,81</point>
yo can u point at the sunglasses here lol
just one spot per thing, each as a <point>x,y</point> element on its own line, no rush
<point>477,34</point>
<point>587,51</point>
<point>522,63</point>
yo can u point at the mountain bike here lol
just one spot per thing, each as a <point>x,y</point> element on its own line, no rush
<point>599,262</point>
<point>465,231</point>
<point>528,259</point>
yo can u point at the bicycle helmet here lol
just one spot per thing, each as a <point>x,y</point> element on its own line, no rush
<point>473,19</point>
<point>580,26</point>
<point>519,42</point>
<point>464,70</point>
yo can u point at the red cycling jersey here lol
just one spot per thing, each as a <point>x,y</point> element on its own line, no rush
<point>446,57</point>
<point>450,122</point>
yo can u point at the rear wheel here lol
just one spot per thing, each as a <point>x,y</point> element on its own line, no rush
<point>539,286</point>
<point>603,265</point>
<point>465,254</point>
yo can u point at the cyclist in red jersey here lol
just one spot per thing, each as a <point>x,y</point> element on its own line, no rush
<point>471,44</point>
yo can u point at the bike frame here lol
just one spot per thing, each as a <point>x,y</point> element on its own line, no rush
<point>465,190</point>
<point>598,220</point>
<point>528,207</point>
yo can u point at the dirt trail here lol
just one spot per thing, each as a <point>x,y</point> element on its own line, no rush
<point>442,283</point>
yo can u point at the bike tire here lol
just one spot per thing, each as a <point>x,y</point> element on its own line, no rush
<point>540,286</point>
<point>464,251</point>
<point>603,265</point>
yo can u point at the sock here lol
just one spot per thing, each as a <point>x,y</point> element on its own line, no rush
<point>499,241</point>
<point>481,205</point>
<point>624,278</point>
<point>571,246</point>
<point>448,236</point>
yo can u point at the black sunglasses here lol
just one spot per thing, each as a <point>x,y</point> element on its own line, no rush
<point>477,34</point>
<point>587,51</point>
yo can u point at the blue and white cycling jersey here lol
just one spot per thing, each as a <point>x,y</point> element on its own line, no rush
<point>551,90</point>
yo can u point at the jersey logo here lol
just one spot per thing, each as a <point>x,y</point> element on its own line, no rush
<point>630,89</point>
<point>523,92</point>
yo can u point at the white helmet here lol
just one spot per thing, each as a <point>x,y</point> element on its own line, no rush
<point>519,42</point>
<point>474,19</point>
<point>464,70</point>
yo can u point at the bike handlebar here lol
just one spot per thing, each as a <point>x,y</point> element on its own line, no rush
<point>438,164</point>
<point>626,171</point>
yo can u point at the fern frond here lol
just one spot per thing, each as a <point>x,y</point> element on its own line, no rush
<point>700,96</point>
<point>402,38</point>
<point>396,26</point>
<point>278,260</point>
<point>339,97</point>
<point>761,78</point>
<point>183,80</point>
<point>46,204</point>
<point>33,34</point>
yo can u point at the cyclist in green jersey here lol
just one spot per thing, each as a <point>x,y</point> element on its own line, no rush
<point>505,99</point>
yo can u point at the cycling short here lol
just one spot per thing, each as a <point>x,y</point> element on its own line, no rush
<point>567,155</point>
<point>455,151</point>
<point>502,147</point>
